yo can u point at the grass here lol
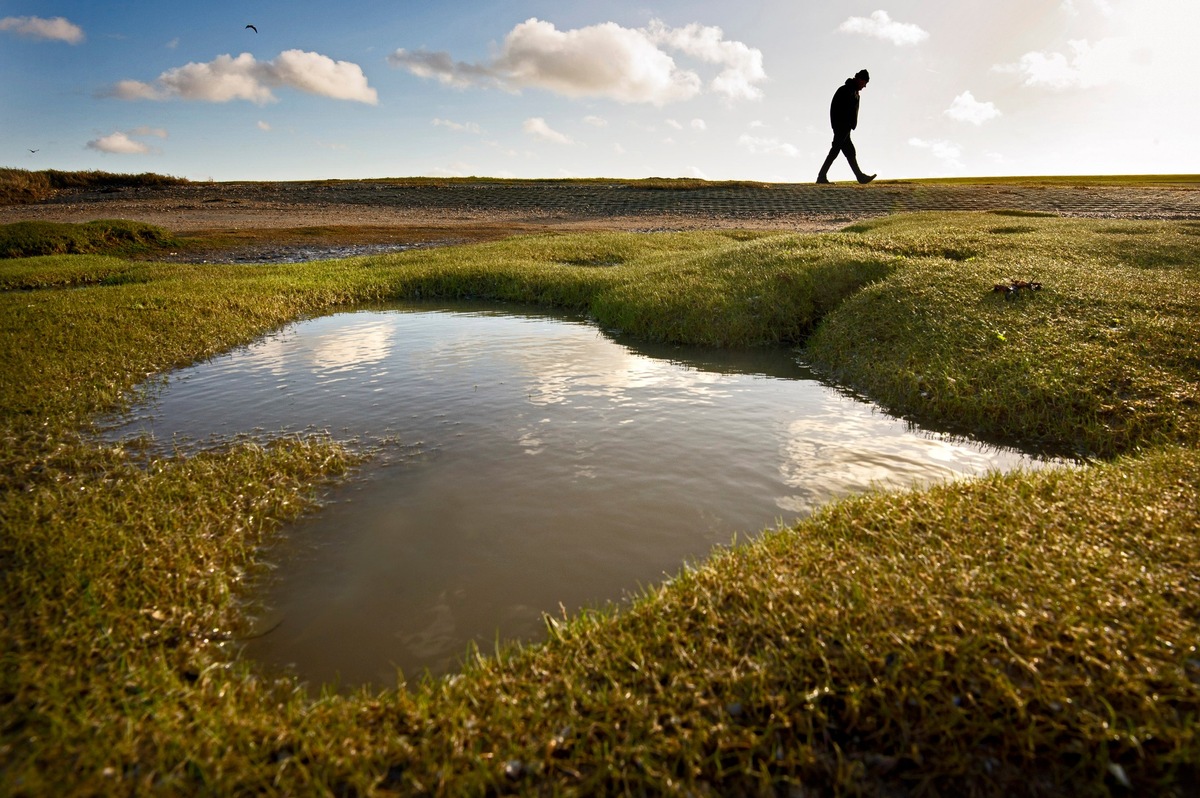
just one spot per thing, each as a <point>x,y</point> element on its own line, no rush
<point>21,186</point>
<point>1029,633</point>
<point>109,236</point>
<point>1105,343</point>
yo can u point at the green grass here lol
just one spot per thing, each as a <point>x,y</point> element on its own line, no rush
<point>108,236</point>
<point>1030,633</point>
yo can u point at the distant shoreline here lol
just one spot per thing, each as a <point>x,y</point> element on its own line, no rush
<point>531,205</point>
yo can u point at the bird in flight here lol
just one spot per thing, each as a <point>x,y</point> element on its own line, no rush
<point>251,27</point>
<point>33,150</point>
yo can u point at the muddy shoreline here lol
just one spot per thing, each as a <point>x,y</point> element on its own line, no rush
<point>256,218</point>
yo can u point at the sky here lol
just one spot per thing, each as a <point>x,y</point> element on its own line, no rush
<point>623,89</point>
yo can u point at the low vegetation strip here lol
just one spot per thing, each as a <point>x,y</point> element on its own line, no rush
<point>1031,633</point>
<point>21,186</point>
<point>26,239</point>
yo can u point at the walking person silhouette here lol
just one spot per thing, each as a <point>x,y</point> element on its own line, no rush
<point>843,116</point>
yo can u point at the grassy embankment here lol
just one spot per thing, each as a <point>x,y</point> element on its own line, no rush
<point>1019,634</point>
<point>20,186</point>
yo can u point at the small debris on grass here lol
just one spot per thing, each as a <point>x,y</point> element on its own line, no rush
<point>1012,288</point>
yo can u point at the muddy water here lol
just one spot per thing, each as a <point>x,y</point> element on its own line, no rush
<point>530,464</point>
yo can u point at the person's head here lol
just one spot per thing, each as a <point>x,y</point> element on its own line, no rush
<point>862,78</point>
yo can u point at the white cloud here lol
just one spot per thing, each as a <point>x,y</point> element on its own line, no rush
<point>618,149</point>
<point>946,151</point>
<point>1108,61</point>
<point>173,44</point>
<point>461,127</point>
<point>122,142</point>
<point>118,143</point>
<point>607,60</point>
<point>742,64</point>
<point>135,90</point>
<point>881,26</point>
<point>674,125</point>
<point>1149,45</point>
<point>767,146</point>
<point>536,126</point>
<point>699,124</point>
<point>264,126</point>
<point>58,29</point>
<point>696,171</point>
<point>596,121</point>
<point>966,108</point>
<point>244,78</point>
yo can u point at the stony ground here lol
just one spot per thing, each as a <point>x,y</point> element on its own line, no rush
<point>398,212</point>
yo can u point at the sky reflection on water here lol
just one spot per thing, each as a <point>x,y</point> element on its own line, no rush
<point>538,464</point>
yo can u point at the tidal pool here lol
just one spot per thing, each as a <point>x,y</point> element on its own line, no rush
<point>529,464</point>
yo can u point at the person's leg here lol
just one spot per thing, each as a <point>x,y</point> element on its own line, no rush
<point>840,140</point>
<point>852,156</point>
<point>823,175</point>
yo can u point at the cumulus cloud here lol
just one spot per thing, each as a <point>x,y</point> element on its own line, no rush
<point>742,65</point>
<point>536,126</point>
<point>881,26</point>
<point>1110,60</point>
<point>58,29</point>
<point>966,108</point>
<point>767,146</point>
<point>459,127</point>
<point>629,65</point>
<point>244,78</point>
<point>1151,44</point>
<point>946,151</point>
<point>699,124</point>
<point>121,142</point>
<point>596,121</point>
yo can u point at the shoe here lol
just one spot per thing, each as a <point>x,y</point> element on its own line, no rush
<point>866,178</point>
<point>822,179</point>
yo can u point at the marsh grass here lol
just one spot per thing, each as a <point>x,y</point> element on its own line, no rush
<point>1097,363</point>
<point>21,186</point>
<point>1028,633</point>
<point>107,236</point>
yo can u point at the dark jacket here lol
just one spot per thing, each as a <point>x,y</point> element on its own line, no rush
<point>843,111</point>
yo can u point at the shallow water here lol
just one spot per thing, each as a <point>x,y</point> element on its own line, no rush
<point>290,253</point>
<point>530,464</point>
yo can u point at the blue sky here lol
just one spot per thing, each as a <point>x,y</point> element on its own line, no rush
<point>525,88</point>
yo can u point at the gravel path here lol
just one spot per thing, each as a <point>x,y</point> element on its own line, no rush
<point>209,206</point>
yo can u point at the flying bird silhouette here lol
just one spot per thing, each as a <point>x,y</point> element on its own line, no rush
<point>251,27</point>
<point>33,150</point>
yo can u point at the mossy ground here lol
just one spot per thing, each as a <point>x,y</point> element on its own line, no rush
<point>1031,633</point>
